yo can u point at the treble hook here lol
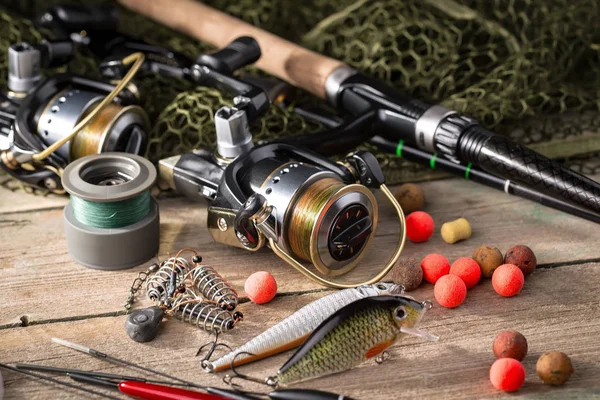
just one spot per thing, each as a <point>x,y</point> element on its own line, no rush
<point>229,379</point>
<point>205,362</point>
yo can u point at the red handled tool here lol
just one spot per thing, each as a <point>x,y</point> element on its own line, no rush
<point>148,391</point>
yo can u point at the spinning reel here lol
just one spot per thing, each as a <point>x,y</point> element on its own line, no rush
<point>45,124</point>
<point>303,206</point>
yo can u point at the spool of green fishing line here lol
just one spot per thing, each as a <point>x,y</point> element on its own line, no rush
<point>111,215</point>
<point>112,220</point>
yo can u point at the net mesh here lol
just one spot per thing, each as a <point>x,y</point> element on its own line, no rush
<point>525,68</point>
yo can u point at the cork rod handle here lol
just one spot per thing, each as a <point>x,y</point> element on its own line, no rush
<point>292,63</point>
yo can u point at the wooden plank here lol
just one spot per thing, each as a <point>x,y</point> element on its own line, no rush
<point>557,310</point>
<point>43,283</point>
<point>20,201</point>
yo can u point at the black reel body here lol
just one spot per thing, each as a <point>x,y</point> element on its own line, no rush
<point>35,113</point>
<point>38,113</point>
<point>310,207</point>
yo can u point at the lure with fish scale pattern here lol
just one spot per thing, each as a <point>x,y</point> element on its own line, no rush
<point>360,330</point>
<point>343,348</point>
<point>293,330</point>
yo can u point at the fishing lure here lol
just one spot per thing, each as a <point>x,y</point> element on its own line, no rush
<point>293,330</point>
<point>359,331</point>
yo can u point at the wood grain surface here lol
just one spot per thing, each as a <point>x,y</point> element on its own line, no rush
<point>45,294</point>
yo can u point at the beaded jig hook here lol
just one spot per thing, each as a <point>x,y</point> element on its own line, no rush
<point>198,295</point>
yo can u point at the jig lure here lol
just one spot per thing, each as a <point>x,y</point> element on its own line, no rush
<point>293,330</point>
<point>361,330</point>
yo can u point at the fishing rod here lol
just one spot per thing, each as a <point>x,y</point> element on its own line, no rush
<point>479,176</point>
<point>57,382</point>
<point>467,171</point>
<point>98,354</point>
<point>135,385</point>
<point>394,115</point>
<point>94,374</point>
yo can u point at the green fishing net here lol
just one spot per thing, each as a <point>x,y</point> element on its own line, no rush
<point>525,68</point>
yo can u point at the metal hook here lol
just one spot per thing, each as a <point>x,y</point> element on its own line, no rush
<point>229,379</point>
<point>383,357</point>
<point>205,362</point>
<point>427,304</point>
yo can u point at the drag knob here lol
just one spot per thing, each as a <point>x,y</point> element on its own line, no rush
<point>351,230</point>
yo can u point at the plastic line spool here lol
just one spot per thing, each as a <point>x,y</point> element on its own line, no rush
<point>111,222</point>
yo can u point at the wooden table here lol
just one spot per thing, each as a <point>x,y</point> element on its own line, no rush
<point>45,294</point>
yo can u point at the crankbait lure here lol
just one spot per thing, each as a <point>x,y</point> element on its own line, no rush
<point>293,330</point>
<point>359,331</point>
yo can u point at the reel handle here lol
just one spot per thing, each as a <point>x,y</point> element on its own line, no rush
<point>241,52</point>
<point>66,19</point>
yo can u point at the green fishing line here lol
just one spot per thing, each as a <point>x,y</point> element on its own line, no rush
<point>111,214</point>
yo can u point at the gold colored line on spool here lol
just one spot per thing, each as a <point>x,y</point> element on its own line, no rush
<point>87,141</point>
<point>90,139</point>
<point>137,59</point>
<point>306,212</point>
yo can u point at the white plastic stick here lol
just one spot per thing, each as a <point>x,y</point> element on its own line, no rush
<point>73,346</point>
<point>419,333</point>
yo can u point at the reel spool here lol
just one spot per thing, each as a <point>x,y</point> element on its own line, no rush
<point>111,222</point>
<point>116,128</point>
<point>321,219</point>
